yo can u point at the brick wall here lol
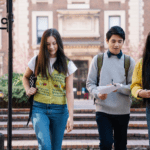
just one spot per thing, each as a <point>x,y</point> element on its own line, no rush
<point>4,43</point>
<point>146,17</point>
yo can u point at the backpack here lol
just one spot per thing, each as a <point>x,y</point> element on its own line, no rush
<point>100,63</point>
<point>32,83</point>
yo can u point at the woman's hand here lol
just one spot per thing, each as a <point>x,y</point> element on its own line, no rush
<point>144,93</point>
<point>31,91</point>
<point>70,124</point>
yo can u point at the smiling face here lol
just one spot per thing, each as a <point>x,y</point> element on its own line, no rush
<point>52,46</point>
<point>115,44</point>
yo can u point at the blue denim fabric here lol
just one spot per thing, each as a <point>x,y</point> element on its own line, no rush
<point>148,120</point>
<point>49,122</point>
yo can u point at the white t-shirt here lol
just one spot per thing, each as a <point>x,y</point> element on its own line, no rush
<point>71,66</point>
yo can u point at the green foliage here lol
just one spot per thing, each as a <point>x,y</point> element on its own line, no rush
<point>137,103</point>
<point>18,91</point>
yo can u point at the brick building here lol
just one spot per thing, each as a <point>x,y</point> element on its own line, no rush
<point>3,41</point>
<point>82,24</point>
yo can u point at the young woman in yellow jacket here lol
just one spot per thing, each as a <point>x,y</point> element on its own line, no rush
<point>54,90</point>
<point>140,87</point>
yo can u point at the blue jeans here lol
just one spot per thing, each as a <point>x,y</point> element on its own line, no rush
<point>108,123</point>
<point>148,120</point>
<point>49,122</point>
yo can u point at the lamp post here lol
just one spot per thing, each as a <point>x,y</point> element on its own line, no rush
<point>9,21</point>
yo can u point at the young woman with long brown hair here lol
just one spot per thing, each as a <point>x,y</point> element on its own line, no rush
<point>54,90</point>
<point>140,87</point>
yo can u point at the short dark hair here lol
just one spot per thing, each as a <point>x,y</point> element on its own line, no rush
<point>117,31</point>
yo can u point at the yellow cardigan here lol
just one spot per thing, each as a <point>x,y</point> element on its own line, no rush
<point>136,85</point>
<point>53,90</point>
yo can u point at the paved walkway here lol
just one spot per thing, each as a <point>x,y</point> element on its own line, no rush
<point>84,104</point>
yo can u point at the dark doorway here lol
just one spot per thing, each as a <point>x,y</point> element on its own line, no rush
<point>80,77</point>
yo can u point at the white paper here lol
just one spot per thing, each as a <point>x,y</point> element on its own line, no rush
<point>108,89</point>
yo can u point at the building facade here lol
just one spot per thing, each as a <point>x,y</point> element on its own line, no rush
<point>82,24</point>
<point>3,41</point>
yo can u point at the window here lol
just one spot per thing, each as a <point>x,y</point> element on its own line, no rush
<point>111,18</point>
<point>42,25</point>
<point>41,20</point>
<point>114,21</point>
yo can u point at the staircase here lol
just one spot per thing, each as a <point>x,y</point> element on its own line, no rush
<point>84,135</point>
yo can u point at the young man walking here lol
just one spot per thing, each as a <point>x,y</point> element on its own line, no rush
<point>113,109</point>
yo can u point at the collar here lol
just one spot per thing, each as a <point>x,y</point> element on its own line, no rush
<point>110,54</point>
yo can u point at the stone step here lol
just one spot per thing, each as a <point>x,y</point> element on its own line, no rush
<point>86,110</point>
<point>74,144</point>
<point>77,117</point>
<point>77,125</point>
<point>74,134</point>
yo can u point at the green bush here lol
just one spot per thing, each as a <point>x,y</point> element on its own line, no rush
<point>18,91</point>
<point>137,103</point>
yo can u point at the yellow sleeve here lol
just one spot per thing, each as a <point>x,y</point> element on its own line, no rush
<point>136,80</point>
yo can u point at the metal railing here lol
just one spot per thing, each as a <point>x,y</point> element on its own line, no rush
<point>9,21</point>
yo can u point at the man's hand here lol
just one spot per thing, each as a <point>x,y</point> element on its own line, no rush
<point>115,91</point>
<point>102,96</point>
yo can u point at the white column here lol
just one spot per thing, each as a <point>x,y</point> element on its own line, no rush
<point>21,34</point>
<point>135,21</point>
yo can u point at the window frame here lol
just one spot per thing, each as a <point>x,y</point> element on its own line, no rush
<point>49,14</point>
<point>114,16</point>
<point>37,26</point>
<point>108,13</point>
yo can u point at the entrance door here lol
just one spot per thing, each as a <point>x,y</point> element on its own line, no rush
<point>80,77</point>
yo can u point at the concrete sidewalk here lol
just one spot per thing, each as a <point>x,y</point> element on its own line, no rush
<point>84,104</point>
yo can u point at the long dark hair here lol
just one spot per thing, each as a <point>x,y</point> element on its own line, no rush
<point>43,62</point>
<point>146,65</point>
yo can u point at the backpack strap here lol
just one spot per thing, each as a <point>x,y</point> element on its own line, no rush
<point>32,96</point>
<point>35,64</point>
<point>126,66</point>
<point>99,65</point>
